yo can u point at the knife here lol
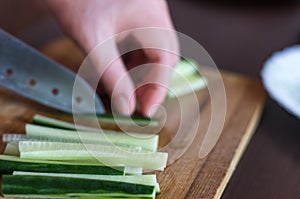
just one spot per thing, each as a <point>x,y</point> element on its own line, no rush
<point>29,73</point>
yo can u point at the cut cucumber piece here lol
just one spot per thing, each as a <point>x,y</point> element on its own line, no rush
<point>184,68</point>
<point>103,118</point>
<point>133,170</point>
<point>13,137</point>
<point>12,148</point>
<point>142,179</point>
<point>51,122</point>
<point>186,79</point>
<point>33,146</point>
<point>194,83</point>
<point>92,153</point>
<point>46,186</point>
<point>147,142</point>
<point>17,158</point>
<point>8,164</point>
<point>129,120</point>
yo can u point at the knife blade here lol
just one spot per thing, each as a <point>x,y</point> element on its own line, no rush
<point>29,73</point>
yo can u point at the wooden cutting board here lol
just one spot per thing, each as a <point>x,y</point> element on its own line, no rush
<point>189,176</point>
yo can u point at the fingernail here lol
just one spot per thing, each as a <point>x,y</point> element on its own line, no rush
<point>121,105</point>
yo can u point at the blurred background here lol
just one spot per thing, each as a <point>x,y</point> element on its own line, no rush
<point>239,36</point>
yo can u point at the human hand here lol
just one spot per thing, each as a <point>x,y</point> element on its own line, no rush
<point>92,22</point>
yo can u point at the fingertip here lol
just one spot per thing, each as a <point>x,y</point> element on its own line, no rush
<point>150,99</point>
<point>119,85</point>
<point>123,101</point>
<point>132,103</point>
<point>153,110</point>
<point>119,105</point>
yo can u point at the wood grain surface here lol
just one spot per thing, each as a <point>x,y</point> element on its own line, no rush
<point>187,176</point>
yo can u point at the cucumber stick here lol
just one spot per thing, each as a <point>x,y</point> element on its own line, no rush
<point>186,79</point>
<point>133,170</point>
<point>47,186</point>
<point>184,68</point>
<point>12,148</point>
<point>8,164</point>
<point>147,142</point>
<point>193,83</point>
<point>59,161</point>
<point>51,122</point>
<point>127,120</point>
<point>142,179</point>
<point>111,155</point>
<point>13,137</point>
<point>103,118</point>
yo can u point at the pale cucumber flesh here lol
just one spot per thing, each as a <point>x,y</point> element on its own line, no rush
<point>111,155</point>
<point>147,142</point>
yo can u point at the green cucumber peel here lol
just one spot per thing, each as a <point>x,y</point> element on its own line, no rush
<point>8,164</point>
<point>140,179</point>
<point>129,120</point>
<point>103,118</point>
<point>44,186</point>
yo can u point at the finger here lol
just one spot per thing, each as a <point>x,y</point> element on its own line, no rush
<point>156,82</point>
<point>114,77</point>
<point>161,48</point>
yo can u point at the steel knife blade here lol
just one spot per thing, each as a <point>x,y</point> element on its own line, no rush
<point>29,73</point>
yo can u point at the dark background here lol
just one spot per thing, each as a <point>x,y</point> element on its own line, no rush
<point>239,36</point>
